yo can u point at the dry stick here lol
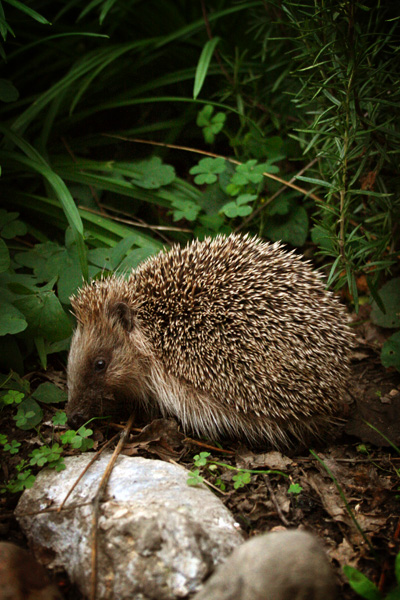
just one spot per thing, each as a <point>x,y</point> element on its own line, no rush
<point>96,503</point>
<point>95,457</point>
<point>275,501</point>
<point>144,225</point>
<point>213,155</point>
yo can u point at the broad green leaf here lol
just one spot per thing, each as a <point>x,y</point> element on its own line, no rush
<point>185,210</point>
<point>390,296</point>
<point>204,115</point>
<point>14,229</point>
<point>361,584</point>
<point>49,393</point>
<point>280,206</point>
<point>153,174</point>
<point>134,258</point>
<point>29,414</point>
<point>207,169</point>
<point>322,238</point>
<point>120,250</point>
<point>45,316</point>
<point>291,228</point>
<point>101,257</point>
<point>12,320</point>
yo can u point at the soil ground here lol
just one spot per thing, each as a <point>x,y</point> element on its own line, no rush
<point>350,500</point>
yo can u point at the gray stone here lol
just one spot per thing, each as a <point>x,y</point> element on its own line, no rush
<point>159,538</point>
<point>283,565</point>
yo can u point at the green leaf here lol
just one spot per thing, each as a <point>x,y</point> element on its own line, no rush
<point>60,418</point>
<point>4,257</point>
<point>195,478</point>
<point>279,206</point>
<point>204,115</point>
<point>14,229</point>
<point>251,172</point>
<point>49,393</point>
<point>208,169</point>
<point>390,296</point>
<point>200,460</point>
<point>361,584</point>
<point>8,92</point>
<point>134,258</point>
<point>13,447</point>
<point>315,181</point>
<point>12,320</point>
<point>45,315</point>
<point>185,209</point>
<point>291,228</point>
<point>203,64</point>
<point>390,354</point>
<point>323,238</point>
<point>239,208</point>
<point>241,479</point>
<point>153,174</point>
<point>29,11</point>
<point>13,397</point>
<point>294,488</point>
<point>29,414</point>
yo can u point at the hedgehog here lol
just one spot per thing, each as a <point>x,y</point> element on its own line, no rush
<point>233,336</point>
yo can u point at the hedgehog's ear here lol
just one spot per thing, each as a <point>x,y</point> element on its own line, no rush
<point>123,315</point>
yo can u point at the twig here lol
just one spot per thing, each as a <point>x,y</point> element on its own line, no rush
<point>213,155</point>
<point>208,446</point>
<point>134,223</point>
<point>96,503</point>
<point>95,457</point>
<point>275,501</point>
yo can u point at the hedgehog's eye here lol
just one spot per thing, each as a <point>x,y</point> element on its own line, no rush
<point>100,365</point>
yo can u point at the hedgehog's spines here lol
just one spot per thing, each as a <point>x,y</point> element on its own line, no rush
<point>240,337</point>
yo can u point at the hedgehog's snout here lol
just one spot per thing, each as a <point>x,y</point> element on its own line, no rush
<point>75,419</point>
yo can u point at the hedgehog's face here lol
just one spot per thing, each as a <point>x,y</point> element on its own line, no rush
<point>107,366</point>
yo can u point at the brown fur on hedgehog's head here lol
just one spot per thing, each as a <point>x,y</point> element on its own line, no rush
<point>109,358</point>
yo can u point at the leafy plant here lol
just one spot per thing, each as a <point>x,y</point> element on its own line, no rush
<point>295,489</point>
<point>241,478</point>
<point>210,124</point>
<point>28,414</point>
<point>365,588</point>
<point>387,314</point>
<point>348,90</point>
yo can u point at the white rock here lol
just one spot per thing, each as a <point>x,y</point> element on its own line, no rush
<point>282,565</point>
<point>159,538</point>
